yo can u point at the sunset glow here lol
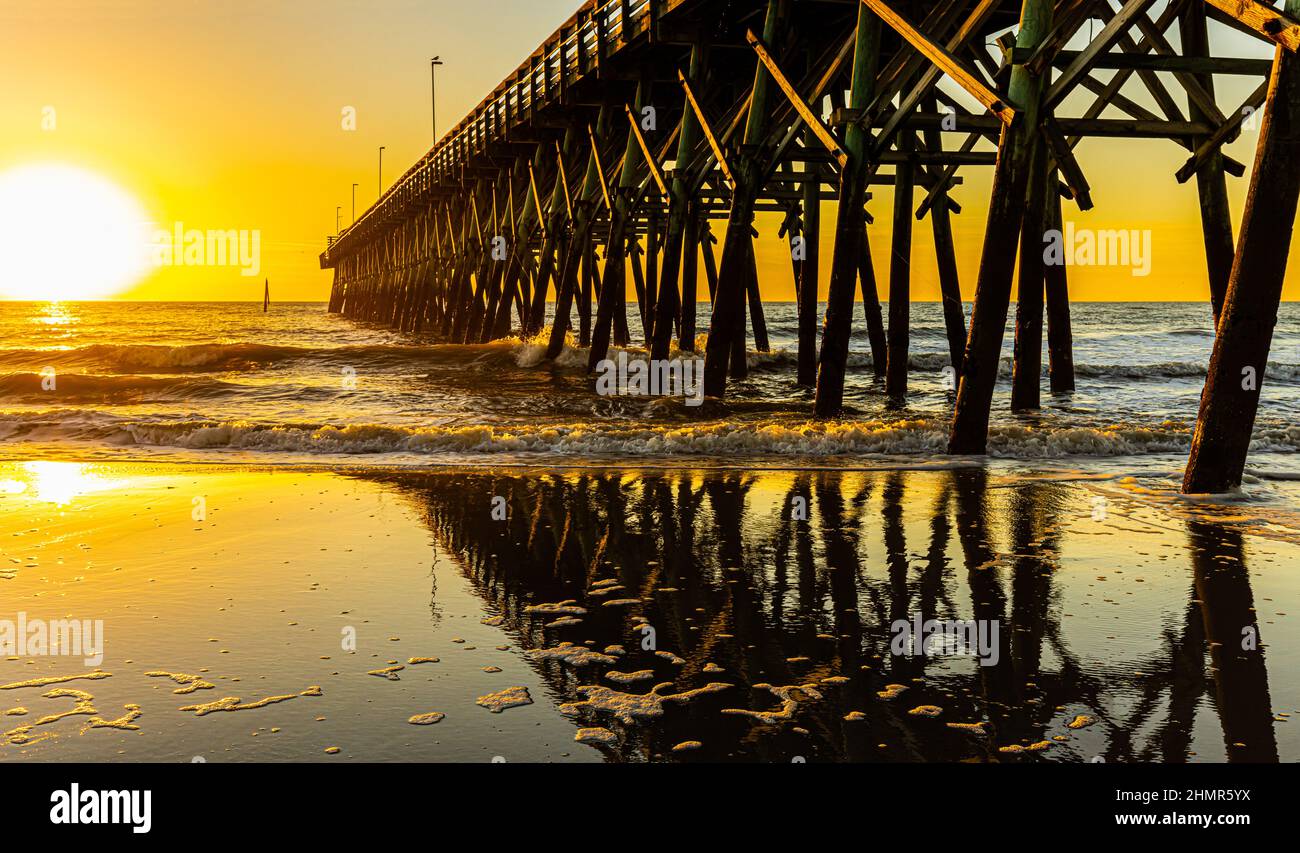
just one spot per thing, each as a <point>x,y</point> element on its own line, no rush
<point>68,234</point>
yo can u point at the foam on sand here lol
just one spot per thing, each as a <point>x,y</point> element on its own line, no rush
<point>511,697</point>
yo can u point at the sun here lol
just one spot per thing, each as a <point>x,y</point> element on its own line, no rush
<point>68,234</point>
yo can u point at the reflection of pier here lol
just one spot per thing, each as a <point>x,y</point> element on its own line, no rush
<point>729,574</point>
<point>641,121</point>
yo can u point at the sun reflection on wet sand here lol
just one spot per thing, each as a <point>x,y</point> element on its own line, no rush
<point>59,483</point>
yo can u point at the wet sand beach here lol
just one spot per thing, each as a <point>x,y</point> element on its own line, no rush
<point>660,614</point>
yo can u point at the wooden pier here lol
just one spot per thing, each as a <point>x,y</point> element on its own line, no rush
<point>610,151</point>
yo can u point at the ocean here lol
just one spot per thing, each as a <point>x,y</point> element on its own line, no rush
<point>223,381</point>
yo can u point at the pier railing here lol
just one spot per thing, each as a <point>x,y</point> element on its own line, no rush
<point>594,33</point>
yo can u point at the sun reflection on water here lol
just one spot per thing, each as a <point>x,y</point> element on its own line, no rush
<point>55,314</point>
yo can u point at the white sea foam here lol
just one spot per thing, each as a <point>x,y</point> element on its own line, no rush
<point>810,440</point>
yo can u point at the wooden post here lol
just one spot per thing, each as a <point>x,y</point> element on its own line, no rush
<point>739,352</point>
<point>850,222</point>
<point>635,256</point>
<point>810,270</point>
<point>1027,372</point>
<point>554,246</point>
<point>690,278</point>
<point>728,319</point>
<point>1236,374</point>
<point>1211,182</point>
<point>651,274</point>
<point>707,241</point>
<point>756,315</point>
<point>871,309</point>
<point>900,276</point>
<point>945,253</point>
<point>573,279</point>
<point>970,426</point>
<point>587,295</point>
<point>1060,337</point>
<point>613,283</point>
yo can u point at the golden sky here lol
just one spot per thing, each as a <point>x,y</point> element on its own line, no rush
<point>228,116</point>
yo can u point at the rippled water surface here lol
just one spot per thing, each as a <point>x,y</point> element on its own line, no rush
<point>298,384</point>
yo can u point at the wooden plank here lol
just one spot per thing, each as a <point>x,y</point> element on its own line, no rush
<point>707,128</point>
<point>655,171</point>
<point>1273,25</point>
<point>972,25</point>
<point>814,122</point>
<point>1068,22</point>
<point>564,179</point>
<point>1233,66</point>
<point>1116,27</point>
<point>600,169</point>
<point>1069,166</point>
<point>946,180</point>
<point>1226,132</point>
<point>945,60</point>
<point>537,200</point>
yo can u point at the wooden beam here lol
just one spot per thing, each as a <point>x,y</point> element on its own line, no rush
<point>930,76</point>
<point>655,171</point>
<point>945,60</point>
<point>814,121</point>
<point>564,179</point>
<point>945,180</point>
<point>600,169</point>
<point>1116,27</point>
<point>1226,132</point>
<point>1069,22</point>
<point>1273,25</point>
<point>1067,163</point>
<point>537,199</point>
<point>1175,64</point>
<point>707,129</point>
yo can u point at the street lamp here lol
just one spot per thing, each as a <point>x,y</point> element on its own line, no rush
<point>354,203</point>
<point>433,91</point>
<point>338,218</point>
<point>381,171</point>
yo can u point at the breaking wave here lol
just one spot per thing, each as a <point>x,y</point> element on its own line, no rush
<point>112,390</point>
<point>240,357</point>
<point>922,436</point>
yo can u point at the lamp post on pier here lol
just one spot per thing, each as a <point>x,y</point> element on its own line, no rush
<point>433,91</point>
